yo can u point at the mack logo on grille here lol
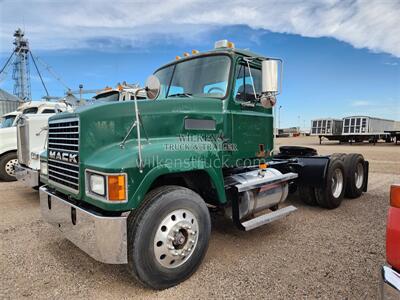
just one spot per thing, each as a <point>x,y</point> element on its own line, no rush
<point>64,156</point>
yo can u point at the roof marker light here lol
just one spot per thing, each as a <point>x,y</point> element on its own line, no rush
<point>195,51</point>
<point>177,57</point>
<point>224,44</point>
<point>186,54</point>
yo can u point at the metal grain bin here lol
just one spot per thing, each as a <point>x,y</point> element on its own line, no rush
<point>8,102</point>
<point>366,125</point>
<point>326,127</point>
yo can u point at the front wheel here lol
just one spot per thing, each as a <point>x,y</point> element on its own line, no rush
<point>168,237</point>
<point>7,166</point>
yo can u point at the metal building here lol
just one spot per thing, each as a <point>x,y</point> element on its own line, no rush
<point>8,102</point>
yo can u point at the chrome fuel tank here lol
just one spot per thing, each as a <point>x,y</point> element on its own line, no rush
<point>259,190</point>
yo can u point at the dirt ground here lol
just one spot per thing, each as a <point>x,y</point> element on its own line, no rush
<point>313,253</point>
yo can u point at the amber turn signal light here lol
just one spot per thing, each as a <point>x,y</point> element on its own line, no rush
<point>395,195</point>
<point>116,188</point>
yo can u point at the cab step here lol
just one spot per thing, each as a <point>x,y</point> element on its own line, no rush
<point>267,218</point>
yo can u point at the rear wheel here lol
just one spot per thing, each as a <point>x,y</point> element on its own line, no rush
<point>355,175</point>
<point>340,156</point>
<point>331,195</point>
<point>168,237</point>
<point>7,166</point>
<point>307,195</point>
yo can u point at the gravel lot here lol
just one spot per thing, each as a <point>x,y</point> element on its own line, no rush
<point>313,253</point>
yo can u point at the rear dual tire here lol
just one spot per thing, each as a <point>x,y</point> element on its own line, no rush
<point>346,177</point>
<point>355,174</point>
<point>332,194</point>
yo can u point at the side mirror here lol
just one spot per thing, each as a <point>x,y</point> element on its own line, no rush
<point>153,87</point>
<point>269,71</point>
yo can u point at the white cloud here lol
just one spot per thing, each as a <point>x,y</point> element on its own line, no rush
<point>78,24</point>
<point>359,103</point>
<point>391,63</point>
<point>388,108</point>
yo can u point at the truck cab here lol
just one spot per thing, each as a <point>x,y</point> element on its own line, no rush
<point>8,133</point>
<point>122,92</point>
<point>137,177</point>
<point>8,144</point>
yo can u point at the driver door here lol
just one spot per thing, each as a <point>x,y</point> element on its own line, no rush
<point>252,124</point>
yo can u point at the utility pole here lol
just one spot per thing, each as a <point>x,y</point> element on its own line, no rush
<point>80,92</point>
<point>279,124</point>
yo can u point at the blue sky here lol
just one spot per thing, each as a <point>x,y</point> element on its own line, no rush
<point>329,71</point>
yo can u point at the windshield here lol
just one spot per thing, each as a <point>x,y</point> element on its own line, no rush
<point>205,76</point>
<point>30,110</point>
<point>108,97</point>
<point>7,121</point>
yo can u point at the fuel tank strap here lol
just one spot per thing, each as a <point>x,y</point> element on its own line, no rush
<point>250,180</point>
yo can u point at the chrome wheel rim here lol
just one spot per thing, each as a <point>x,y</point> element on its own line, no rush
<point>359,175</point>
<point>10,167</point>
<point>337,183</point>
<point>176,238</point>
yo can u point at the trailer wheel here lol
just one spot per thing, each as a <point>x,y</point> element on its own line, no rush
<point>168,237</point>
<point>307,195</point>
<point>7,166</point>
<point>331,195</point>
<point>355,175</point>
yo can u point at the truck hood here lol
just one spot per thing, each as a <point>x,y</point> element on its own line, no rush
<point>104,124</point>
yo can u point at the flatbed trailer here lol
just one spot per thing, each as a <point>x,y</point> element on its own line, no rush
<point>328,128</point>
<point>394,134</point>
<point>365,128</point>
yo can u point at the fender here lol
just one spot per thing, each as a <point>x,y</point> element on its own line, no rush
<point>312,170</point>
<point>216,177</point>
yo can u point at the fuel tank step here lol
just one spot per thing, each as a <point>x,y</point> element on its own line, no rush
<point>267,218</point>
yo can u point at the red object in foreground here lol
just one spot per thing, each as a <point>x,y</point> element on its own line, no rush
<point>389,283</point>
<point>393,229</point>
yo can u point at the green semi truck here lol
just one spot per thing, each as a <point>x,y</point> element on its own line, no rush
<point>134,182</point>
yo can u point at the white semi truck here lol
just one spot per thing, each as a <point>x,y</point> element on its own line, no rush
<point>32,134</point>
<point>8,133</point>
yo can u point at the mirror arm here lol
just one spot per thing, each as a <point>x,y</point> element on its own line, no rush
<point>136,124</point>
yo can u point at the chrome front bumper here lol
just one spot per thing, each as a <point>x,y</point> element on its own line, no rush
<point>26,175</point>
<point>103,238</point>
<point>389,284</point>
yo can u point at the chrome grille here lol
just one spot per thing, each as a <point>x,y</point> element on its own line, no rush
<point>23,141</point>
<point>63,142</point>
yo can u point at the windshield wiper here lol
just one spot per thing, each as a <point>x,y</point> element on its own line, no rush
<point>188,95</point>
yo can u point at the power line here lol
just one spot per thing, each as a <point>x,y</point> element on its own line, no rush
<point>40,75</point>
<point>54,74</point>
<point>6,64</point>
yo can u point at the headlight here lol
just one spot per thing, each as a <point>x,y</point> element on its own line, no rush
<point>109,187</point>
<point>97,184</point>
<point>43,168</point>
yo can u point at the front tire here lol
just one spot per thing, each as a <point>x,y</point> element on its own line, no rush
<point>168,237</point>
<point>7,166</point>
